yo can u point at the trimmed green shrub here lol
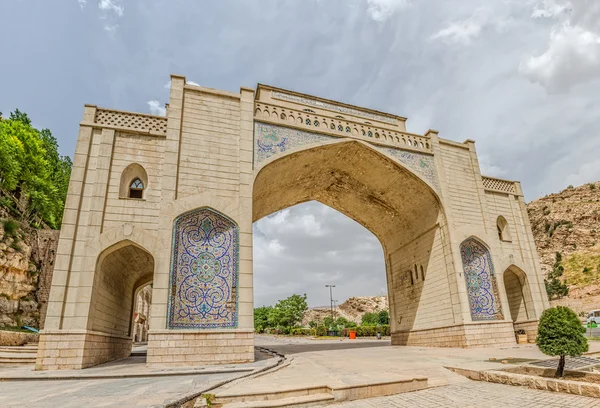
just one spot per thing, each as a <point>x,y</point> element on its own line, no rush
<point>560,333</point>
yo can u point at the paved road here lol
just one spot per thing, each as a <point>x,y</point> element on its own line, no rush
<point>476,394</point>
<point>132,392</point>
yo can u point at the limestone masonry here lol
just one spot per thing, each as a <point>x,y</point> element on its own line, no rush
<point>171,201</point>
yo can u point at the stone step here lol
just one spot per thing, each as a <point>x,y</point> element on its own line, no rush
<point>313,400</point>
<point>16,360</point>
<point>18,349</point>
<point>273,395</point>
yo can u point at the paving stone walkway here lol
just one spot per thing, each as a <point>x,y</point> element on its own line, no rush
<point>476,394</point>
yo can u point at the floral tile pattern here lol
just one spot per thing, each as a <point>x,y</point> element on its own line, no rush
<point>422,164</point>
<point>204,271</point>
<point>482,288</point>
<point>270,140</point>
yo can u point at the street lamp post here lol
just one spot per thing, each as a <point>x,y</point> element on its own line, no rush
<point>330,298</point>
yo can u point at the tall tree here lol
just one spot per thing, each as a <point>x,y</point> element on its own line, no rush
<point>32,169</point>
<point>288,312</point>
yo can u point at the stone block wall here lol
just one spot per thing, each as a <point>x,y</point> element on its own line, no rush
<point>189,348</point>
<point>468,335</point>
<point>62,350</point>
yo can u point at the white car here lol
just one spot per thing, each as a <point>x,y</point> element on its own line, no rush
<point>594,317</point>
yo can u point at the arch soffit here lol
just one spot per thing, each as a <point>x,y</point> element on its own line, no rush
<point>518,271</point>
<point>369,146</point>
<point>126,234</point>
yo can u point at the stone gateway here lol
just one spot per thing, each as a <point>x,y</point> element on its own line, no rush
<point>171,201</point>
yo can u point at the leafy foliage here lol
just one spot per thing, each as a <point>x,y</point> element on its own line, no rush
<point>560,333</point>
<point>283,316</point>
<point>555,288</point>
<point>32,169</point>
<point>374,319</point>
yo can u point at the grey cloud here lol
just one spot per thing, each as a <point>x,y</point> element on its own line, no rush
<point>335,49</point>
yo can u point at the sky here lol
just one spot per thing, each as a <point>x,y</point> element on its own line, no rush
<point>520,77</point>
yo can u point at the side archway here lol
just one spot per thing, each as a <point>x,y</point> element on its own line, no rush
<point>482,288</point>
<point>120,270</point>
<point>204,271</point>
<point>518,294</point>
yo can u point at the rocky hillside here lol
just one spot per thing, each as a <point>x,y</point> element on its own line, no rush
<point>26,265</point>
<point>352,309</point>
<point>569,223</point>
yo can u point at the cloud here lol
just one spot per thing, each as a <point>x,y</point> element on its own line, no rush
<point>459,32</point>
<point>111,6</point>
<point>156,108</point>
<point>550,9</point>
<point>289,258</point>
<point>381,10</point>
<point>572,56</point>
<point>464,32</point>
<point>191,83</point>
<point>82,3</point>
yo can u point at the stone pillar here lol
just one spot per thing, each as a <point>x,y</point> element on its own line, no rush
<point>191,346</point>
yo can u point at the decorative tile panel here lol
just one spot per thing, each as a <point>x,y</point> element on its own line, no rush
<point>204,271</point>
<point>270,140</point>
<point>330,106</point>
<point>482,288</point>
<point>421,164</point>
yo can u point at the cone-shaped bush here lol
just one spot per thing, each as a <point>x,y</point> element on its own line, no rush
<point>560,333</point>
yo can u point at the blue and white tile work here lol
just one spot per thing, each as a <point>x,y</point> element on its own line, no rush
<point>204,271</point>
<point>482,288</point>
<point>271,139</point>
<point>421,164</point>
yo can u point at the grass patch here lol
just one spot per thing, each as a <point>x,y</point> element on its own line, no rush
<point>582,269</point>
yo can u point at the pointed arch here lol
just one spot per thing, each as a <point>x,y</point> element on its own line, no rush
<point>204,273</point>
<point>482,288</point>
<point>518,294</point>
<point>132,173</point>
<point>503,229</point>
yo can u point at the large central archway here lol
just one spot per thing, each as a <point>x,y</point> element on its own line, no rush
<point>398,207</point>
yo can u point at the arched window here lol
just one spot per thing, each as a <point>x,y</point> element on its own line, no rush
<point>134,181</point>
<point>136,189</point>
<point>503,230</point>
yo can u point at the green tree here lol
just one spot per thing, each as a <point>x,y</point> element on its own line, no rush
<point>555,288</point>
<point>20,117</point>
<point>32,169</point>
<point>342,322</point>
<point>11,153</point>
<point>560,333</point>
<point>369,319</point>
<point>261,318</point>
<point>383,317</point>
<point>288,312</point>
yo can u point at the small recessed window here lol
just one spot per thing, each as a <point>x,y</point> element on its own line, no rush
<point>136,189</point>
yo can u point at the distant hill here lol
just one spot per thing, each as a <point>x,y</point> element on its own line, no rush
<point>569,223</point>
<point>352,309</point>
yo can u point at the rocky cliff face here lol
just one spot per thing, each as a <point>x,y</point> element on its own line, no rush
<point>569,223</point>
<point>26,264</point>
<point>352,309</point>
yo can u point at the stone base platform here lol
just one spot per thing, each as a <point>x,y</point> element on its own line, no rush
<point>177,348</point>
<point>465,335</point>
<point>77,349</point>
